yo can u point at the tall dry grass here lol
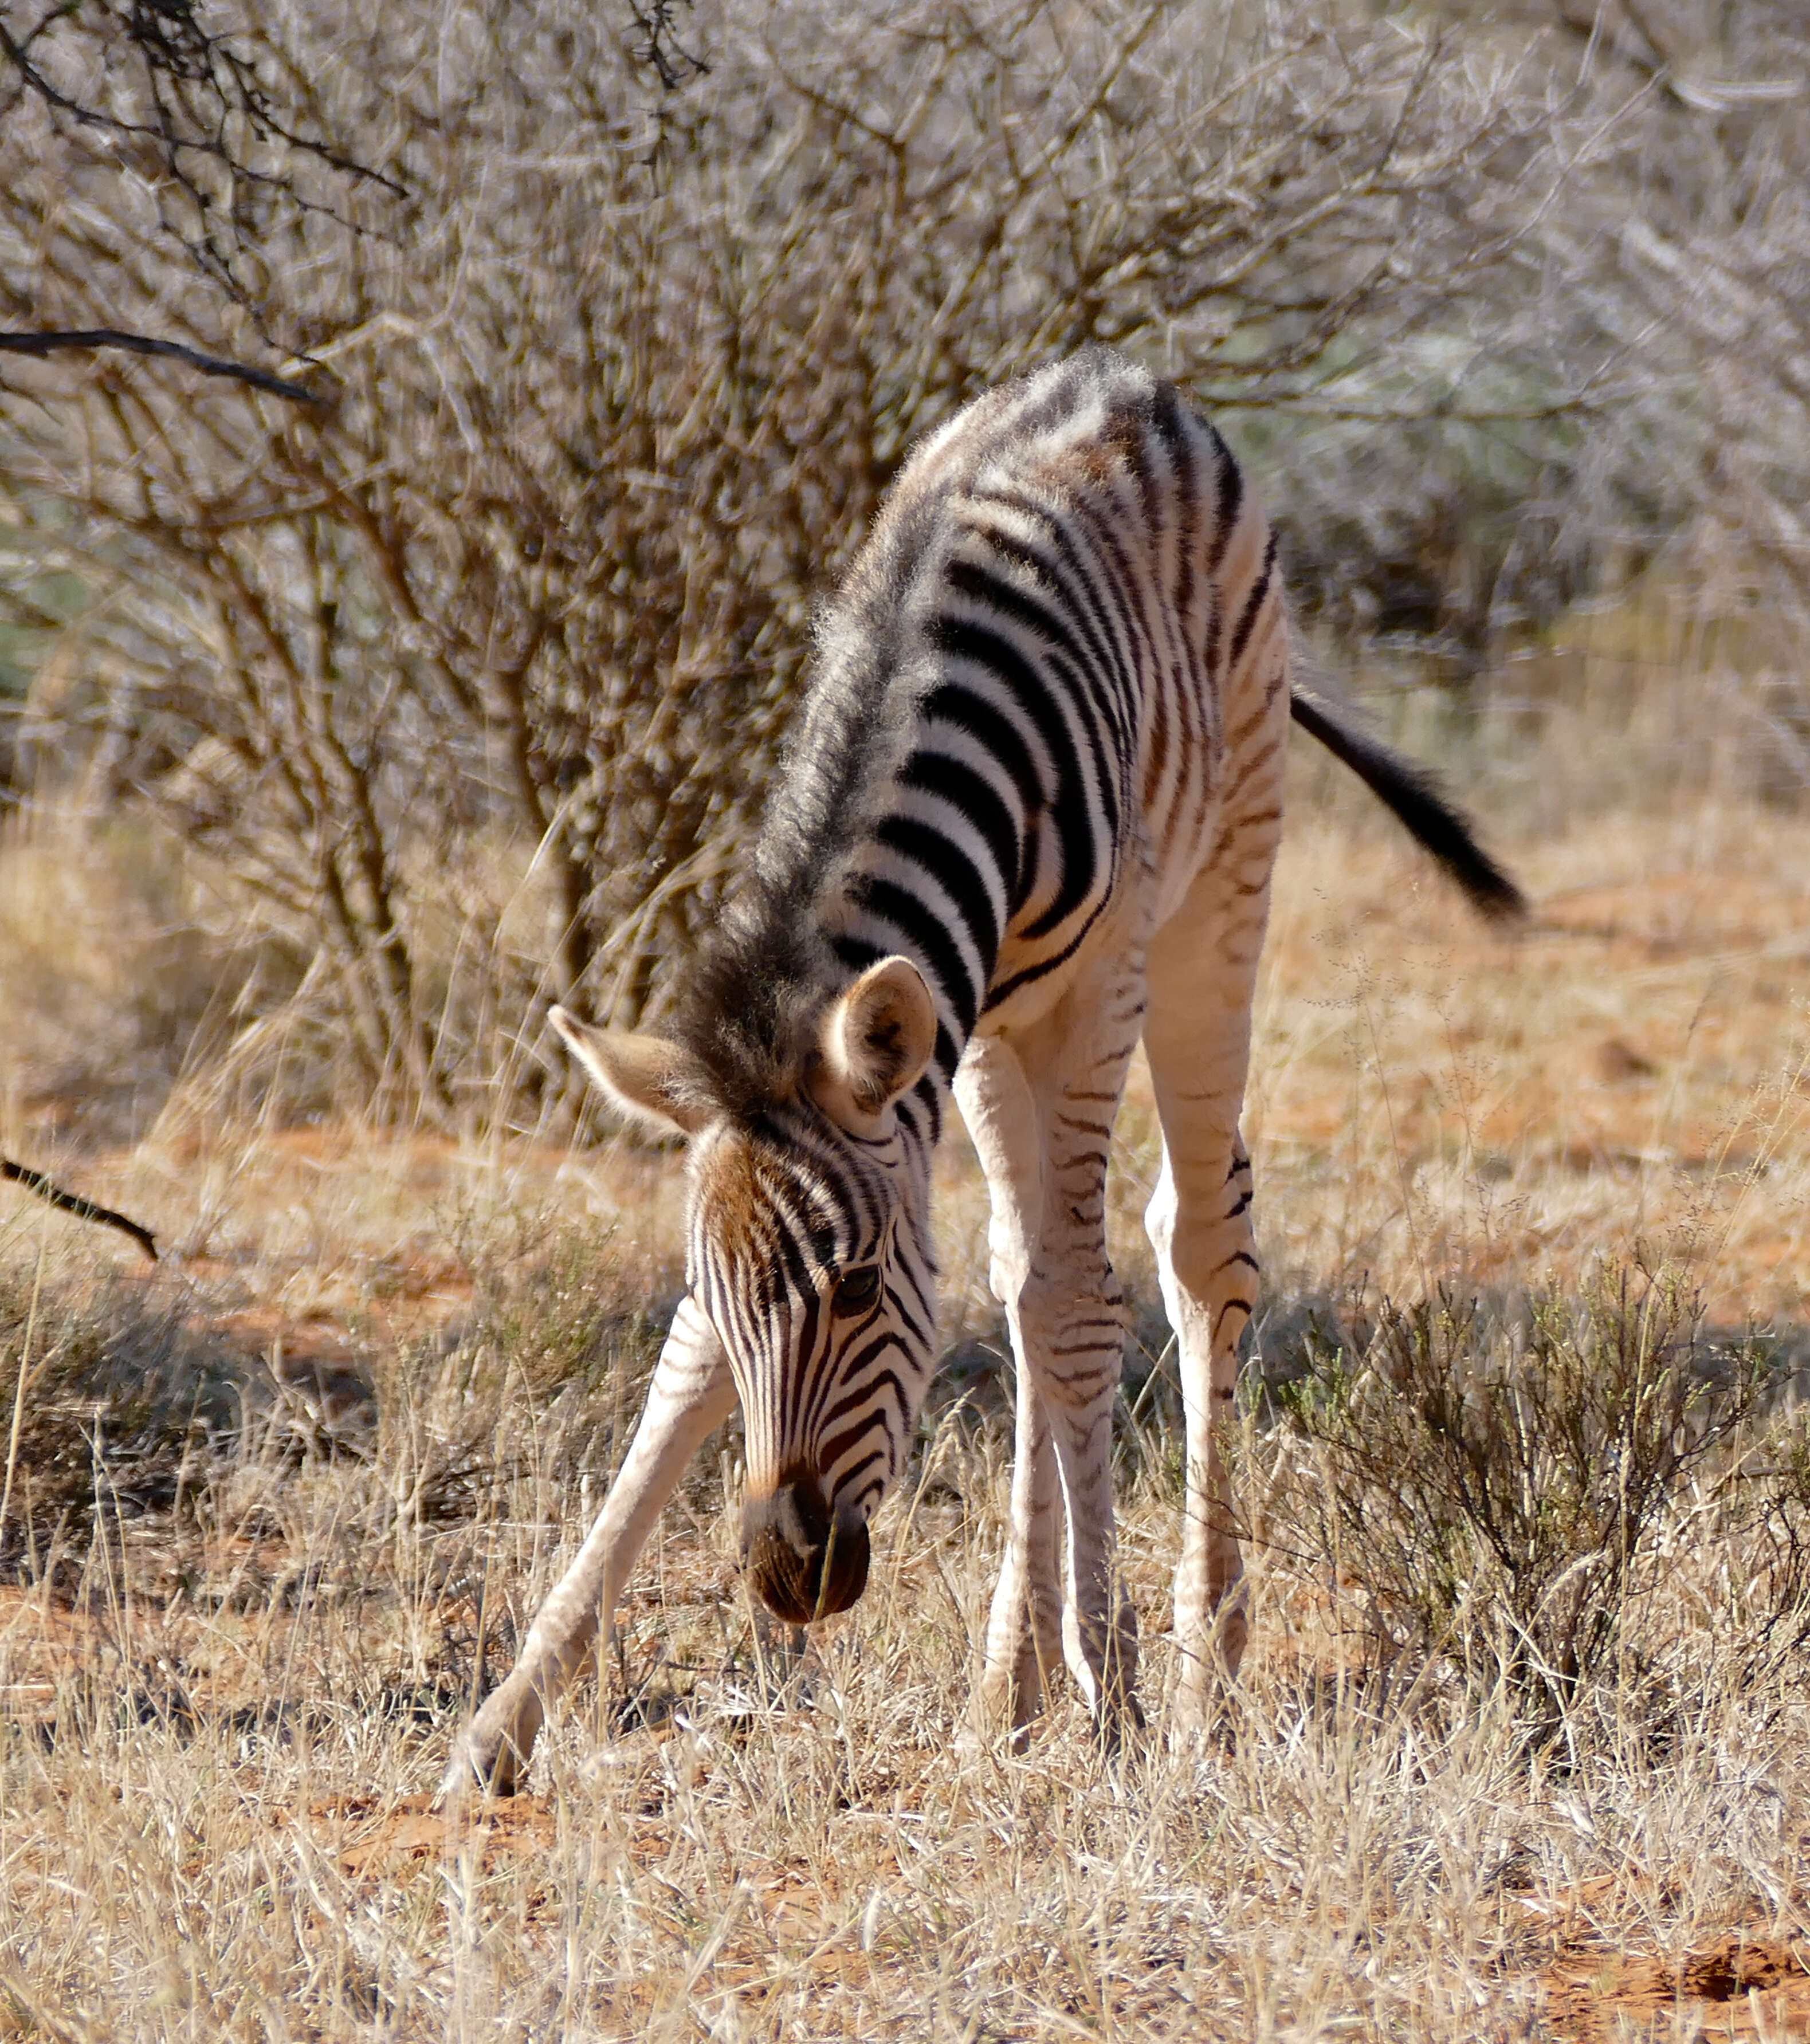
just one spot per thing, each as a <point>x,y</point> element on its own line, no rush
<point>224,1713</point>
<point>222,1724</point>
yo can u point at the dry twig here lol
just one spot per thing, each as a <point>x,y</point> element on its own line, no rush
<point>140,344</point>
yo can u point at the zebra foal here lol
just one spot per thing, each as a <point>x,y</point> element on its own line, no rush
<point>1029,818</point>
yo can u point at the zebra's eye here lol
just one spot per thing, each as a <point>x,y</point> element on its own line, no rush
<point>856,1290</point>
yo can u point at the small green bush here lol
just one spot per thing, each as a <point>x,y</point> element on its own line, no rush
<point>1493,1484</point>
<point>110,1403</point>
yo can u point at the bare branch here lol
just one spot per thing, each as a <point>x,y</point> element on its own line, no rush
<point>659,47</point>
<point>195,102</point>
<point>473,699</point>
<point>73,1203</point>
<point>140,344</point>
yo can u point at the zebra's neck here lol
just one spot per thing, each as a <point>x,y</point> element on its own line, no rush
<point>877,916</point>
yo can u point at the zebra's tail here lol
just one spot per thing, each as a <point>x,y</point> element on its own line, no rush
<point>1417,798</point>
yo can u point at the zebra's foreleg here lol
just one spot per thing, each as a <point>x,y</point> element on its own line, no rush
<point>1074,1333</point>
<point>1024,1632</point>
<point>1070,1321</point>
<point>692,1393</point>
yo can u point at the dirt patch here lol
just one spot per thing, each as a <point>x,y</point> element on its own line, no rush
<point>375,1836</point>
<point>1737,1987</point>
<point>40,1640</point>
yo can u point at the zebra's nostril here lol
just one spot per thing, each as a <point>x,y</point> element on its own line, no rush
<point>802,1564</point>
<point>795,1512</point>
<point>804,1530</point>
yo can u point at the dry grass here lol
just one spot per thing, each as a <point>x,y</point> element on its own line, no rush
<point>1431,1097</point>
<point>214,1820</point>
<point>220,1715</point>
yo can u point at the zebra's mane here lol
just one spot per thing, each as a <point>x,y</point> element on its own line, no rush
<point>748,1008</point>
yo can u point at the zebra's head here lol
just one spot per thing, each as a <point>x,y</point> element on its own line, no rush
<point>808,1247</point>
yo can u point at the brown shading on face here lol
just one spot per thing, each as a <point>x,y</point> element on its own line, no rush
<point>802,1563</point>
<point>804,1560</point>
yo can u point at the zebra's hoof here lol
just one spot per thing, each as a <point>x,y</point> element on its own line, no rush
<point>472,1771</point>
<point>491,1756</point>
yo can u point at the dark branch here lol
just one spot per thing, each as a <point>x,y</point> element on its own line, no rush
<point>140,344</point>
<point>202,101</point>
<point>73,1203</point>
<point>672,63</point>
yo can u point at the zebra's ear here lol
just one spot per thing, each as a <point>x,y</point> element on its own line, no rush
<point>651,1081</point>
<point>874,1041</point>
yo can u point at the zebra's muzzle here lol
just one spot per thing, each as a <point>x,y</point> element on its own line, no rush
<point>802,1564</point>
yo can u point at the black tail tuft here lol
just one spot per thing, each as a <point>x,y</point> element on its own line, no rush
<point>1417,798</point>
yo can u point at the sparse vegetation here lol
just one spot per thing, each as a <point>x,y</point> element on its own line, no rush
<point>220,1726</point>
<point>333,740</point>
<point>1497,1490</point>
<point>114,1409</point>
<point>462,687</point>
<point>269,1678</point>
<point>1392,1843</point>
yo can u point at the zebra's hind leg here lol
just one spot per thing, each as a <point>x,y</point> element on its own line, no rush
<point>691,1395</point>
<point>1024,1634</point>
<point>1201,975</point>
<point>1208,1274</point>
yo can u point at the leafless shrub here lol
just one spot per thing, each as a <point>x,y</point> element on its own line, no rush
<point>609,417</point>
<point>152,96</point>
<point>229,136</point>
<point>111,1407</point>
<point>1707,278</point>
<point>1753,1523</point>
<point>1671,278</point>
<point>474,680</point>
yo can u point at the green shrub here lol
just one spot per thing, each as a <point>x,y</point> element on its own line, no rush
<point>110,1403</point>
<point>1493,1484</point>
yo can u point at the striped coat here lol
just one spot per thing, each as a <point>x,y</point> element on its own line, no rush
<point>1029,820</point>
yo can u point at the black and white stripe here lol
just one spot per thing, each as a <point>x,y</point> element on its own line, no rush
<point>1029,817</point>
<point>1020,693</point>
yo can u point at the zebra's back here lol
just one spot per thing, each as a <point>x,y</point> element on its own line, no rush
<point>1074,601</point>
